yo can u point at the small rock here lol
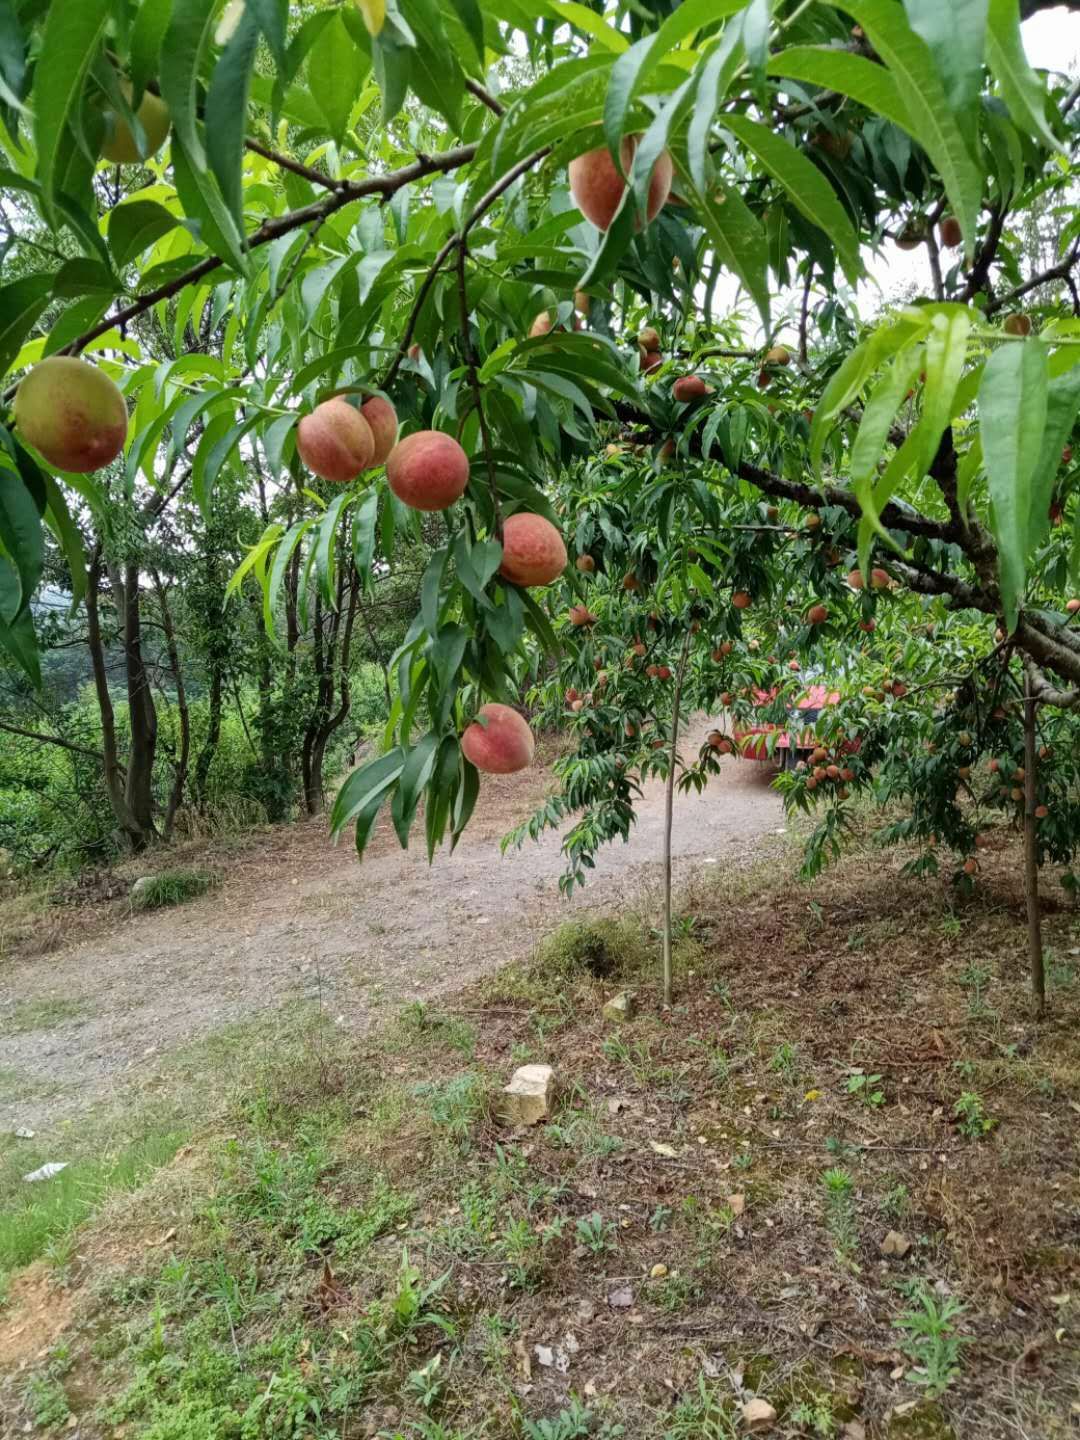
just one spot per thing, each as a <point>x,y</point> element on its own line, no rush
<point>24,1133</point>
<point>658,1272</point>
<point>853,1430</point>
<point>621,1006</point>
<point>545,1355</point>
<point>621,1298</point>
<point>896,1244</point>
<point>527,1099</point>
<point>142,884</point>
<point>758,1416</point>
<point>737,1204</point>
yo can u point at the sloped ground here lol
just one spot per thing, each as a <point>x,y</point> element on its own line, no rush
<point>840,1174</point>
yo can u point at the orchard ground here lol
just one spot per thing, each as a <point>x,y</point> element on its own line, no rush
<point>840,1172</point>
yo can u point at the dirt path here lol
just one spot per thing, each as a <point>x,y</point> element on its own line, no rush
<point>299,918</point>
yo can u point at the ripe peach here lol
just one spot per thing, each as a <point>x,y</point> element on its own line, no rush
<point>879,579</point>
<point>819,755</point>
<point>1072,606</point>
<point>652,671</point>
<point>428,470</point>
<point>764,379</point>
<point>951,234</point>
<point>586,564</point>
<point>1018,324</point>
<point>1066,455</point>
<point>778,355</point>
<point>119,146</point>
<point>382,417</point>
<point>1041,812</point>
<point>639,648</point>
<point>833,772</point>
<point>581,615</point>
<point>414,352</point>
<point>994,766</point>
<point>533,550</point>
<point>714,739</point>
<point>817,614</point>
<point>911,236</point>
<point>855,579</point>
<point>72,413</point>
<point>812,783</point>
<point>847,773</point>
<point>665,453</point>
<point>630,581</point>
<point>663,673</point>
<point>649,338</point>
<point>982,842</point>
<point>725,699</point>
<point>649,360</point>
<point>335,441</point>
<point>741,600</point>
<point>499,741</point>
<point>971,865</point>
<point>869,626</point>
<point>689,387</point>
<point>597,187</point>
<point>793,664</point>
<point>540,326</point>
<point>772,512</point>
<point>577,705</point>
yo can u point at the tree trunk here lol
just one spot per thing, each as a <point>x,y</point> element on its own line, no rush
<point>139,790</point>
<point>669,812</point>
<point>201,774</point>
<point>334,669</point>
<point>112,770</point>
<point>1031,853</point>
<point>176,794</point>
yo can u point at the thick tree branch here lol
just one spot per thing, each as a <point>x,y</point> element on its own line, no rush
<point>1061,271</point>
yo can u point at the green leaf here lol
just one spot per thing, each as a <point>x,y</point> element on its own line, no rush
<point>60,522</point>
<point>877,419</point>
<point>135,226</point>
<point>807,187</point>
<point>324,545</point>
<point>181,51</point>
<point>716,75</point>
<point>932,122</point>
<point>1062,403</point>
<point>21,303</point>
<point>364,786</point>
<point>464,801</point>
<point>147,36</point>
<point>227,114</point>
<point>17,634</point>
<point>336,70</point>
<point>282,556</point>
<point>20,534</point>
<point>415,774</point>
<point>468,12</point>
<point>737,237</point>
<point>73,30</point>
<point>871,85</point>
<point>631,72</point>
<point>1012,421</point>
<point>272,18</point>
<point>430,587</point>
<point>946,355</point>
<point>201,199</point>
<point>955,35</point>
<point>1024,93</point>
<point>12,52</point>
<point>257,553</point>
<point>363,536</point>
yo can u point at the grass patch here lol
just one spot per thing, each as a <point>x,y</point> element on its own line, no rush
<point>172,887</point>
<point>43,1014</point>
<point>36,1218</point>
<point>370,1253</point>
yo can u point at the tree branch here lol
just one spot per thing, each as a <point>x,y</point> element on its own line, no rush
<point>384,185</point>
<point>52,740</point>
<point>286,162</point>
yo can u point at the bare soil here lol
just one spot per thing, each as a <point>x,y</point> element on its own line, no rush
<point>297,918</point>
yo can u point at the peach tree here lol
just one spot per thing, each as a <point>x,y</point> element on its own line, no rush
<point>400,254</point>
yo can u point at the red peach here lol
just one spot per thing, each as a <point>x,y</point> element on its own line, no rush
<point>498,741</point>
<point>533,550</point>
<point>335,441</point>
<point>428,470</point>
<point>72,413</point>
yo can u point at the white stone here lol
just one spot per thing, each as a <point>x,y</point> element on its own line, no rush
<point>527,1099</point>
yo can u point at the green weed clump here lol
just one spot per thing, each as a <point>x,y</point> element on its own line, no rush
<point>172,887</point>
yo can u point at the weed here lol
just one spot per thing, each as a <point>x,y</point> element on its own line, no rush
<point>815,1416</point>
<point>933,1343</point>
<point>661,1218</point>
<point>573,1423</point>
<point>172,887</point>
<point>840,1211</point>
<point>896,1202</point>
<point>595,1233</point>
<point>674,1292</point>
<point>602,948</point>
<point>971,1116</point>
<point>455,1105</point>
<point>419,1021</point>
<point>426,1385</point>
<point>46,1399</point>
<point>701,1415</point>
<point>866,1088</point>
<point>785,1063</point>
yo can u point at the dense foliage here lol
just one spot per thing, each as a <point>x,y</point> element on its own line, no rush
<point>372,199</point>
